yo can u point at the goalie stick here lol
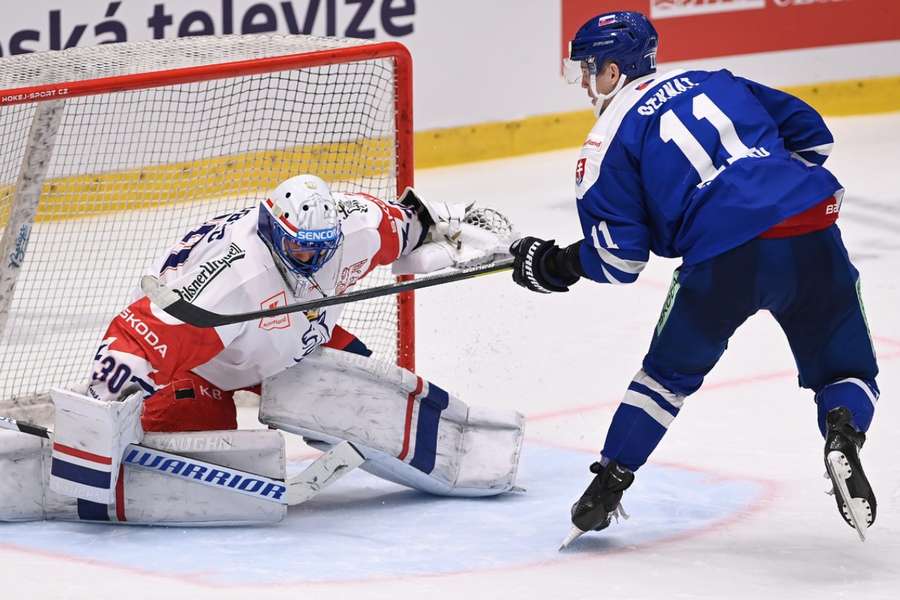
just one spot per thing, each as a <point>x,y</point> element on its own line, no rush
<point>170,300</point>
<point>325,470</point>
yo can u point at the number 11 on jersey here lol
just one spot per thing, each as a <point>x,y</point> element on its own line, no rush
<point>672,129</point>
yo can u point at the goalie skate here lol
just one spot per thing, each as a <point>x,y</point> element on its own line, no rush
<point>854,496</point>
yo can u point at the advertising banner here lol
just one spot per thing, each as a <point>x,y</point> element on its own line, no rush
<point>692,29</point>
<point>57,25</point>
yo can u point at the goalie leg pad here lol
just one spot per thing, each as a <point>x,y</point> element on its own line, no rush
<point>144,496</point>
<point>89,440</point>
<point>411,431</point>
<point>21,476</point>
<point>148,493</point>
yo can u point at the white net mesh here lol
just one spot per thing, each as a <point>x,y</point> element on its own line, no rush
<point>115,60</point>
<point>133,171</point>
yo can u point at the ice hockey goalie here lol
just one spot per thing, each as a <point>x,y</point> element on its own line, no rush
<point>158,420</point>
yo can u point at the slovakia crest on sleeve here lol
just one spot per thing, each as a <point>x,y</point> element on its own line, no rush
<point>579,170</point>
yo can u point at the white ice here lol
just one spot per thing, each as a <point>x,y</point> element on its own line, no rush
<point>730,506</point>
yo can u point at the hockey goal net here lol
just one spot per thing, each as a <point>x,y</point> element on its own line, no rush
<point>110,154</point>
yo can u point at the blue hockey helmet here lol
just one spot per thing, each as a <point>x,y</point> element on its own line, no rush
<point>300,224</point>
<point>623,37</point>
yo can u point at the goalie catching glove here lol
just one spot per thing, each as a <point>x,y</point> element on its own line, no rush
<point>455,235</point>
<point>542,266</point>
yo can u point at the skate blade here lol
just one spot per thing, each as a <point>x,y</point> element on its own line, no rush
<point>853,507</point>
<point>574,534</point>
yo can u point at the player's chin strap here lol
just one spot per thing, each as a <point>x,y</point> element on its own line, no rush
<point>602,98</point>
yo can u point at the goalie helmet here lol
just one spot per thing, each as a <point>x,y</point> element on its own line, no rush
<point>300,224</point>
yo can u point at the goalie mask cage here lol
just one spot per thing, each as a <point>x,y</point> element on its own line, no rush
<point>110,154</point>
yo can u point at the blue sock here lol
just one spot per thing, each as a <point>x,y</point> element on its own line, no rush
<point>857,395</point>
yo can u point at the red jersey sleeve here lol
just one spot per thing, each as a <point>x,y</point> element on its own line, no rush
<point>140,348</point>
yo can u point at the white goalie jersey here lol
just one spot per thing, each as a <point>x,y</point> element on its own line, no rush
<point>388,420</point>
<point>225,267</point>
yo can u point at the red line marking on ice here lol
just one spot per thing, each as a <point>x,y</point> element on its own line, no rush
<point>195,578</point>
<point>718,385</point>
<point>739,381</point>
<point>886,340</point>
<point>769,491</point>
<point>770,488</point>
<point>206,579</point>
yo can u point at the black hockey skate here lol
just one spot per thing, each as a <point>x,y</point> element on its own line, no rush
<point>854,496</point>
<point>601,500</point>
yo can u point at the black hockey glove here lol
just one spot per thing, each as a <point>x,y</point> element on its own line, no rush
<point>542,266</point>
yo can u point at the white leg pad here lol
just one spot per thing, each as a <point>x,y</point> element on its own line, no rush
<point>146,496</point>
<point>410,431</point>
<point>89,440</point>
<point>22,476</point>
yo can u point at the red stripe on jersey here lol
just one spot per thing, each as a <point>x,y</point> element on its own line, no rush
<point>388,231</point>
<point>103,460</point>
<point>168,348</point>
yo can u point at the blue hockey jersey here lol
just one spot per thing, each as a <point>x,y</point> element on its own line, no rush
<point>692,164</point>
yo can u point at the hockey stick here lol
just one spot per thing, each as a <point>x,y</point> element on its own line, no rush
<point>13,425</point>
<point>170,300</point>
<point>325,470</point>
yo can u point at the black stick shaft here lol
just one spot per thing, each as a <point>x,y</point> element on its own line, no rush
<point>170,301</point>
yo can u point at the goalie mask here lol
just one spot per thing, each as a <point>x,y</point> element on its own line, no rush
<point>299,223</point>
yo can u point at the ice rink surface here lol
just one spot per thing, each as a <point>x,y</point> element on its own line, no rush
<point>732,504</point>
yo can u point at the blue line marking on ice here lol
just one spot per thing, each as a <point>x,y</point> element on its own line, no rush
<point>366,528</point>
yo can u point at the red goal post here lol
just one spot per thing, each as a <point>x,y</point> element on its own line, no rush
<point>109,154</point>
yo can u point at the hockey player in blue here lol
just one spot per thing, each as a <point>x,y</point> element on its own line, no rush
<point>726,174</point>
